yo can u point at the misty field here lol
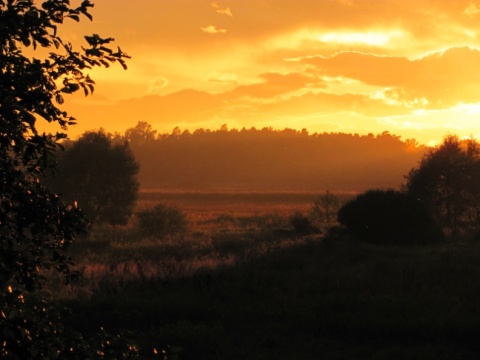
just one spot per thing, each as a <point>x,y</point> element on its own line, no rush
<point>242,282</point>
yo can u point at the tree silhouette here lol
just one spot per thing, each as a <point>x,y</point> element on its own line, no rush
<point>100,175</point>
<point>272,160</point>
<point>325,208</point>
<point>447,182</point>
<point>36,227</point>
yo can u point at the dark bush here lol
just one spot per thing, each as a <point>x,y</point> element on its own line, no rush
<point>301,224</point>
<point>389,217</point>
<point>162,220</point>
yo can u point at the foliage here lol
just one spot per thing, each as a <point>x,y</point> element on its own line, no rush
<point>389,217</point>
<point>447,181</point>
<point>33,330</point>
<point>36,227</point>
<point>162,220</point>
<point>100,175</point>
<point>334,298</point>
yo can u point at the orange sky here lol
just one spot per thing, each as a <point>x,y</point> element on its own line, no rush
<point>405,66</point>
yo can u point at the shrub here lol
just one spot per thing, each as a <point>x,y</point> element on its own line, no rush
<point>301,224</point>
<point>162,220</point>
<point>389,217</point>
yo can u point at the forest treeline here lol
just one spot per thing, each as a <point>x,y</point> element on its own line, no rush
<point>269,160</point>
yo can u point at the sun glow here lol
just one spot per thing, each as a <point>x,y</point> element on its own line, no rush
<point>370,38</point>
<point>352,66</point>
<point>373,38</point>
<point>470,109</point>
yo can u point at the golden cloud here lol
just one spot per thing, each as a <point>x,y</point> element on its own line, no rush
<point>472,9</point>
<point>158,84</point>
<point>221,77</point>
<point>443,78</point>
<point>212,29</point>
<point>222,11</point>
<point>274,84</point>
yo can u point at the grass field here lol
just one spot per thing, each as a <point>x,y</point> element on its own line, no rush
<point>242,284</point>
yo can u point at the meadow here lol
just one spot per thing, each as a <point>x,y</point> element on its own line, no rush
<point>242,283</point>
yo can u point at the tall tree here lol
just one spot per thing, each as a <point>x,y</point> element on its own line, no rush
<point>100,175</point>
<point>36,227</point>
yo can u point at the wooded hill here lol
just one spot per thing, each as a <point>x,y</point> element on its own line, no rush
<point>270,160</point>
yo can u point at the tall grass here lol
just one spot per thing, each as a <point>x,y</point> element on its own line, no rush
<point>246,286</point>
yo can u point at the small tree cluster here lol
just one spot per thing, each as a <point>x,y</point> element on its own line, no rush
<point>447,181</point>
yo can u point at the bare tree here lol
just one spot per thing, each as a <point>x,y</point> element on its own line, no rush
<point>325,208</point>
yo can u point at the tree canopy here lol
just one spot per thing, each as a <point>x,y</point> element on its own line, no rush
<point>36,226</point>
<point>99,173</point>
<point>34,222</point>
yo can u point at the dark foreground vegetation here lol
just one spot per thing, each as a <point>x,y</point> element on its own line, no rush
<point>36,226</point>
<point>248,285</point>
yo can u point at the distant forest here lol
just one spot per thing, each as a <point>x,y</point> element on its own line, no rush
<point>270,160</point>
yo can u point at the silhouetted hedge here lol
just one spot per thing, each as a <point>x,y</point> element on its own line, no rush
<point>389,217</point>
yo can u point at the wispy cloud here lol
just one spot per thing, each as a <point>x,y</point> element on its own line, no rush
<point>223,11</point>
<point>220,77</point>
<point>472,9</point>
<point>212,29</point>
<point>273,84</point>
<point>158,84</point>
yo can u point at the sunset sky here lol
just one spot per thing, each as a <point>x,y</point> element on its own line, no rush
<point>357,66</point>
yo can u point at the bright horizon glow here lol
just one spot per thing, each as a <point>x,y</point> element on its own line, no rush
<point>406,67</point>
<point>368,38</point>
